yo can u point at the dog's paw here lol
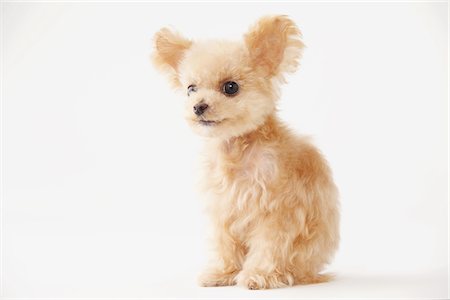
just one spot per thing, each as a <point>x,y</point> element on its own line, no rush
<point>258,280</point>
<point>217,278</point>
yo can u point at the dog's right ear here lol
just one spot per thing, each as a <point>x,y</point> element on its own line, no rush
<point>169,49</point>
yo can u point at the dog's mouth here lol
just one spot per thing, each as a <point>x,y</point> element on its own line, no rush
<point>209,122</point>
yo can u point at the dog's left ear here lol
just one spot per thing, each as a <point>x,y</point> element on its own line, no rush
<point>274,45</point>
<point>169,50</point>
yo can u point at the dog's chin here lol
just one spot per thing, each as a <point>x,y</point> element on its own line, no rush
<point>209,128</point>
<point>223,129</point>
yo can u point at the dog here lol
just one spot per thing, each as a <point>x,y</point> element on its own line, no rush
<point>271,197</point>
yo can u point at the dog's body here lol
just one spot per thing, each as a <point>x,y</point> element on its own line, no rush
<point>272,199</point>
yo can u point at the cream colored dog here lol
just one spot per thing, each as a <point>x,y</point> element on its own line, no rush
<point>272,198</point>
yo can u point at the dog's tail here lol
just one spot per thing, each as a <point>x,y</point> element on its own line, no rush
<point>316,278</point>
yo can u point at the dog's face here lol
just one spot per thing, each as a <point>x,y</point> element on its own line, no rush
<point>231,87</point>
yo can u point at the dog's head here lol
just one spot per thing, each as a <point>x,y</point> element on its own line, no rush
<point>231,87</point>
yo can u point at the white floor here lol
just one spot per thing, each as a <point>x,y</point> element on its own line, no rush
<point>358,286</point>
<point>433,285</point>
<point>131,265</point>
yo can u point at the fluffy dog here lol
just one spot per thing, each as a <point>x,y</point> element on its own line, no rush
<point>272,199</point>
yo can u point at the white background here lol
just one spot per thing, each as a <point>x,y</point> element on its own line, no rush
<point>99,168</point>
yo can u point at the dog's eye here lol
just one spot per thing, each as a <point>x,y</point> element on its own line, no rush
<point>191,88</point>
<point>230,88</point>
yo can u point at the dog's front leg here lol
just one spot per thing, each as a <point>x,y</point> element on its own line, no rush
<point>267,264</point>
<point>228,262</point>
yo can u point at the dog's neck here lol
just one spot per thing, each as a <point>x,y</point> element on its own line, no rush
<point>269,131</point>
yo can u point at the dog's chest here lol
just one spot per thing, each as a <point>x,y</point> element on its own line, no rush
<point>241,176</point>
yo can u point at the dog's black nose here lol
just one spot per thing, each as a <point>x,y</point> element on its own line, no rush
<point>200,108</point>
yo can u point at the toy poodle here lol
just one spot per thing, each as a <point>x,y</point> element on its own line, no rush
<point>270,193</point>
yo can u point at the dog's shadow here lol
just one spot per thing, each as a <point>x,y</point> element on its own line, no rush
<point>413,285</point>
